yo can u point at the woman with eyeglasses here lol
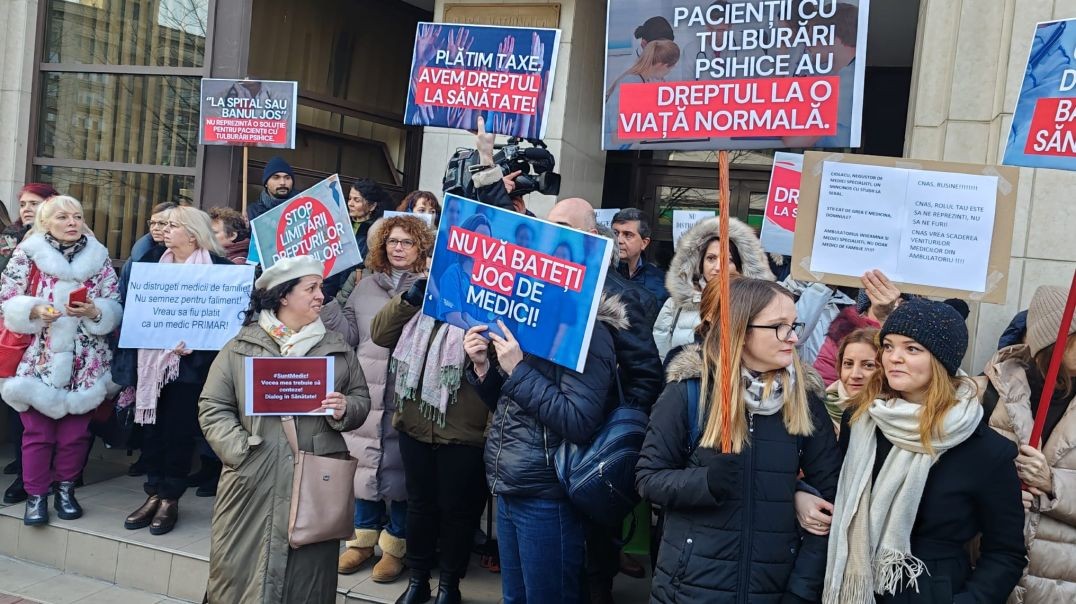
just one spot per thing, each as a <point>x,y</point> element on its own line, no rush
<point>399,247</point>
<point>730,525</point>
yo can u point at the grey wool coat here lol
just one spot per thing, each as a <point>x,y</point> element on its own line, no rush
<point>249,558</point>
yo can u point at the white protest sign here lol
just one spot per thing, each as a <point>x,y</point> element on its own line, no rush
<point>683,220</point>
<point>604,216</point>
<point>197,304</point>
<point>427,218</point>
<point>923,227</point>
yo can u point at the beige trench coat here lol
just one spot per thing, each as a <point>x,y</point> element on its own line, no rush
<point>249,559</point>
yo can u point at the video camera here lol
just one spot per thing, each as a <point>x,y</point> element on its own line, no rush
<point>535,164</point>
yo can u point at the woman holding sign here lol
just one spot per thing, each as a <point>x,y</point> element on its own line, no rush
<point>60,288</point>
<point>167,382</point>
<point>923,476</point>
<point>1016,377</point>
<point>730,523</point>
<point>399,249</point>
<point>249,557</point>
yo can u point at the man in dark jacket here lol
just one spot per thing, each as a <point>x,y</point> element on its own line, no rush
<point>632,232</point>
<point>279,183</point>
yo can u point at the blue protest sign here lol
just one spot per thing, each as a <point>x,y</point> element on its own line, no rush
<point>1043,133</point>
<point>543,280</point>
<point>461,72</point>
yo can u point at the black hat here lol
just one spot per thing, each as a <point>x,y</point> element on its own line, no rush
<point>274,166</point>
<point>937,326</point>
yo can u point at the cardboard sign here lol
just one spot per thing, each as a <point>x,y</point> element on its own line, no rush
<point>683,220</point>
<point>1043,133</point>
<point>200,305</point>
<point>427,218</point>
<point>288,385</point>
<point>251,113</point>
<point>699,74</point>
<point>604,216</point>
<point>782,204</point>
<point>314,223</point>
<point>461,72</point>
<point>543,280</point>
<point>937,229</point>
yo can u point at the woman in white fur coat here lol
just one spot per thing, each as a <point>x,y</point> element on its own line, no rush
<point>64,374</point>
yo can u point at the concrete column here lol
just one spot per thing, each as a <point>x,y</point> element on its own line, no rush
<point>16,81</point>
<point>970,59</point>
<point>575,116</point>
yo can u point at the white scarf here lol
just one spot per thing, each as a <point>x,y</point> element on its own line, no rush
<point>292,343</point>
<point>760,402</point>
<point>870,547</point>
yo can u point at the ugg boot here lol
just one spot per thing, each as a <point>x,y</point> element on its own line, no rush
<point>359,550</point>
<point>391,564</point>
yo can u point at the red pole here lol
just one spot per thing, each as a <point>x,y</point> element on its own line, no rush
<point>1055,366</point>
<point>723,315</point>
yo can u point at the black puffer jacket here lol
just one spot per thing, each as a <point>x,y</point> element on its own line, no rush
<point>748,547</point>
<point>542,404</point>
<point>636,354</point>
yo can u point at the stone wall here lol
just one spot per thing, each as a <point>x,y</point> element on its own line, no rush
<point>16,78</point>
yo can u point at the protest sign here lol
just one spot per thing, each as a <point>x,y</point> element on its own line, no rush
<point>427,218</point>
<point>253,113</point>
<point>683,220</point>
<point>782,202</point>
<point>200,305</point>
<point>287,385</point>
<point>698,74</point>
<point>543,280</point>
<point>604,216</point>
<point>461,72</point>
<point>935,228</point>
<point>1043,133</point>
<point>314,223</point>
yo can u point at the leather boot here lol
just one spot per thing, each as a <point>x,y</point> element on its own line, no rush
<point>15,493</point>
<point>352,559</point>
<point>141,517</point>
<point>166,517</point>
<point>37,511</point>
<point>67,507</point>
<point>448,589</point>
<point>418,589</point>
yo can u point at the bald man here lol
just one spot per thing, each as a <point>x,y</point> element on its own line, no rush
<point>640,371</point>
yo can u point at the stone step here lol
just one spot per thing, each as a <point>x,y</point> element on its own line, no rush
<point>28,583</point>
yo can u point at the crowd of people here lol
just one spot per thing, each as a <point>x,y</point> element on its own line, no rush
<point>868,468</point>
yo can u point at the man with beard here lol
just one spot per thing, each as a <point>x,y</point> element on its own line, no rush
<point>279,183</point>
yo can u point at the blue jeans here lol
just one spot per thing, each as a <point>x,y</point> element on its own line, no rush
<point>371,515</point>
<point>542,551</point>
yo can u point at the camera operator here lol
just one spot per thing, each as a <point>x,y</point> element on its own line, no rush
<point>492,185</point>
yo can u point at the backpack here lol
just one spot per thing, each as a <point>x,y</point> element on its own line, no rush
<point>599,477</point>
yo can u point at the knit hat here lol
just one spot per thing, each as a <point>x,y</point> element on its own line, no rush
<point>289,268</point>
<point>937,326</point>
<point>275,165</point>
<point>1044,317</point>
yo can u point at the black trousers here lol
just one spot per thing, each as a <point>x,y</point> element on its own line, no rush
<point>168,444</point>
<point>446,492</point>
<point>603,556</point>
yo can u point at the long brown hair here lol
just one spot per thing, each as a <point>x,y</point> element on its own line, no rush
<point>656,52</point>
<point>747,298</point>
<point>941,397</point>
<point>864,335</point>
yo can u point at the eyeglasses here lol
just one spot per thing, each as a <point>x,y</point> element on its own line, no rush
<point>404,243</point>
<point>783,331</point>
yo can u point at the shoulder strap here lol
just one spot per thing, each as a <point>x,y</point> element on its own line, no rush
<point>694,429</point>
<point>288,423</point>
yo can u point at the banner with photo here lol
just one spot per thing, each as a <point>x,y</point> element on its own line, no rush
<point>543,280</point>
<point>734,74</point>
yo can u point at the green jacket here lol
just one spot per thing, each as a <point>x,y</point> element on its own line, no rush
<point>466,420</point>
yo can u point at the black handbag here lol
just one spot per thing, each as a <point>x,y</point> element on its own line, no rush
<point>599,476</point>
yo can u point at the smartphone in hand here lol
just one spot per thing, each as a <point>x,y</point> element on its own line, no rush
<point>79,295</point>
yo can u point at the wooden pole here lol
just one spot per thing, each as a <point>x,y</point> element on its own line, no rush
<point>723,315</point>
<point>1055,367</point>
<point>246,157</point>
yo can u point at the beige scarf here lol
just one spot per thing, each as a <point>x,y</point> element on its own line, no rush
<point>292,343</point>
<point>870,547</point>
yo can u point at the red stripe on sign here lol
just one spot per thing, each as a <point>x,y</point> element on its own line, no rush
<point>482,90</point>
<point>724,108</point>
<point>515,259</point>
<point>240,131</point>
<point>1052,130</point>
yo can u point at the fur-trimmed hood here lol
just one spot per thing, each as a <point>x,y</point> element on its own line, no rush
<point>684,268</point>
<point>687,365</point>
<point>613,312</point>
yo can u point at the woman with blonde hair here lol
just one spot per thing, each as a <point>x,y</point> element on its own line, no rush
<point>730,525</point>
<point>64,373</point>
<point>167,383</point>
<point>656,61</point>
<point>922,476</point>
